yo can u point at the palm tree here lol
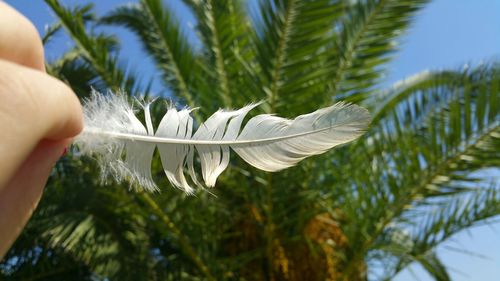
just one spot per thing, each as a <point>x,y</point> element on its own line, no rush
<point>377,205</point>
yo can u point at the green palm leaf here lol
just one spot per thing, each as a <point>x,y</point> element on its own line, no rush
<point>442,127</point>
<point>163,38</point>
<point>364,44</point>
<point>290,41</point>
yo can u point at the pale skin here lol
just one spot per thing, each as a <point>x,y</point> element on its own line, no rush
<point>39,115</point>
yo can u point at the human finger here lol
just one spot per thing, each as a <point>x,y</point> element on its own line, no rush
<point>33,106</point>
<point>22,193</point>
<point>19,39</point>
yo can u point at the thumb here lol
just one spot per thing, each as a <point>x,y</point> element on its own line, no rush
<point>20,197</point>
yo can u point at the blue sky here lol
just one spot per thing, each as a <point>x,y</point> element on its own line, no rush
<point>446,34</point>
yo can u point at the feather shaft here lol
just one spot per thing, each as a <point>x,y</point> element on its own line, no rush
<point>153,139</point>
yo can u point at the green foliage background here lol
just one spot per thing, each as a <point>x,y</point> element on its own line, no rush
<point>384,201</point>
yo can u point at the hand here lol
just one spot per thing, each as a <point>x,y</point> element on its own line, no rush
<point>38,117</point>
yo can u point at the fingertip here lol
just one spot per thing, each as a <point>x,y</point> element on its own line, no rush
<point>43,106</point>
<point>75,112</point>
<point>69,120</point>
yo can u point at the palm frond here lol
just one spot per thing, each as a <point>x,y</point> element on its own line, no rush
<point>385,102</point>
<point>439,223</point>
<point>364,44</point>
<point>50,31</point>
<point>290,41</point>
<point>455,132</point>
<point>163,38</point>
<point>95,49</point>
<point>88,236</point>
<point>74,71</point>
<point>225,32</point>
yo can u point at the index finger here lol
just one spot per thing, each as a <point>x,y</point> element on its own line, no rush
<point>33,106</point>
<point>19,40</point>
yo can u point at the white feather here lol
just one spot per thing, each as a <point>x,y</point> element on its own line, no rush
<point>266,142</point>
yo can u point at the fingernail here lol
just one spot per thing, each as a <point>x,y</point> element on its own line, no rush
<point>65,151</point>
